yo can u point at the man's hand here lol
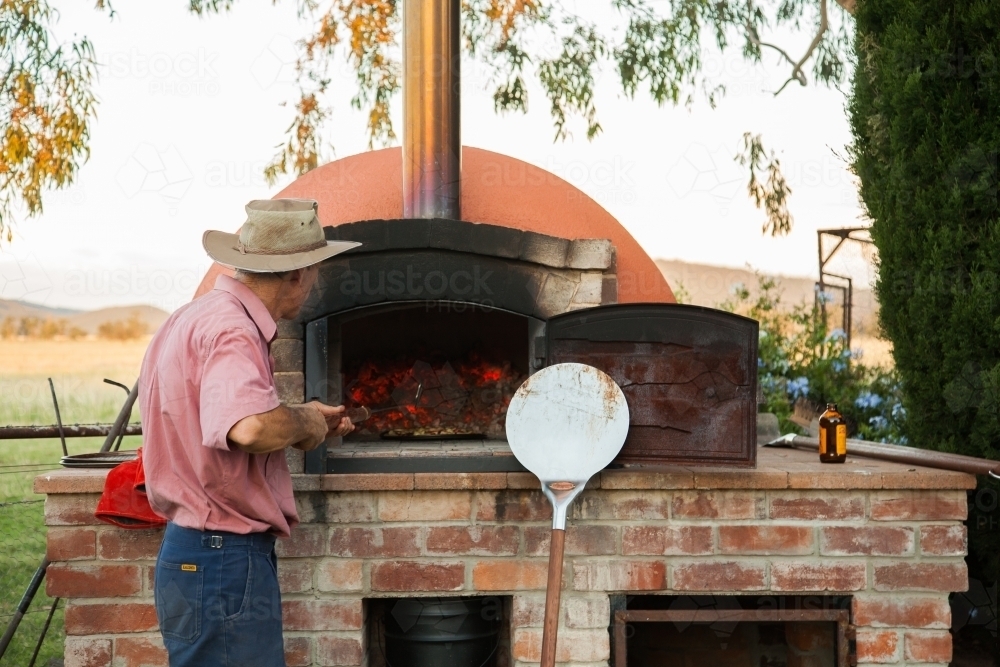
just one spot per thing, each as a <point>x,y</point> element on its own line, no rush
<point>318,426</point>
<point>336,418</point>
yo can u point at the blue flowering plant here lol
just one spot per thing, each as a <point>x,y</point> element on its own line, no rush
<point>800,358</point>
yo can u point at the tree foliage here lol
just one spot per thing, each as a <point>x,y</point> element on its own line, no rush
<point>657,48</point>
<point>47,106</point>
<point>925,115</point>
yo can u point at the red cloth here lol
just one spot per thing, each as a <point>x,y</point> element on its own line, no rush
<point>124,501</point>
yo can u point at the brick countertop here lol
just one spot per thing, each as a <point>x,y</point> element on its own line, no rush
<point>776,469</point>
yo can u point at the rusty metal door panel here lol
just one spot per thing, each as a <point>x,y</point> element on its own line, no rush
<point>689,375</point>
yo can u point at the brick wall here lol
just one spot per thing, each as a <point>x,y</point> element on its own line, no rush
<point>898,552</point>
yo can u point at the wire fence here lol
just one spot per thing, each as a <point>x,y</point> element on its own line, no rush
<point>22,548</point>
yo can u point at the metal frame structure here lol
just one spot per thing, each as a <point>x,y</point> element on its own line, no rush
<point>844,234</point>
<point>846,656</point>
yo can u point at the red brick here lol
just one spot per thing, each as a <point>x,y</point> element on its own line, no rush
<point>577,611</point>
<point>943,540</point>
<point>321,615</point>
<point>340,575</point>
<point>346,507</point>
<point>919,506</point>
<point>71,543</point>
<point>298,651</point>
<point>666,540</point>
<point>635,478</point>
<point>619,575</point>
<point>581,540</point>
<point>334,651</point>
<point>393,481</point>
<point>509,575</point>
<point>717,505</point>
<point>295,575</point>
<point>622,506</point>
<point>768,539</point>
<point>572,646</point>
<point>71,509</point>
<point>528,611</point>
<point>424,505</point>
<point>871,540</point>
<point>944,577</point>
<point>140,652</point>
<point>76,580</point>
<point>460,480</point>
<point>122,544</point>
<point>110,618</point>
<point>809,636</point>
<point>927,646</point>
<point>586,612</point>
<point>307,539</point>
<point>474,540</point>
<point>512,505</point>
<point>902,612</point>
<point>719,576</point>
<point>87,652</point>
<point>414,576</point>
<point>817,508</point>
<point>878,646</point>
<point>374,542</point>
<point>818,576</point>
<point>149,577</point>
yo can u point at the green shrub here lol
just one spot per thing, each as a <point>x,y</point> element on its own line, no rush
<point>800,358</point>
<point>925,115</point>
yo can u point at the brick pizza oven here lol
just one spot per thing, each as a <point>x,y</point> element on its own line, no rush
<point>819,565</point>
<point>881,541</point>
<point>477,269</point>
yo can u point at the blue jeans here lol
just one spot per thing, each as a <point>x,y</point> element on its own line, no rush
<point>217,599</point>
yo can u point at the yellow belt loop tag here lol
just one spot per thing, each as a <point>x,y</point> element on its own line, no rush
<point>189,568</point>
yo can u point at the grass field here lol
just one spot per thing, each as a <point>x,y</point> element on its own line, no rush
<point>77,369</point>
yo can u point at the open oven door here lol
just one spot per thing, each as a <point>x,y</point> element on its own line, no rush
<point>689,375</point>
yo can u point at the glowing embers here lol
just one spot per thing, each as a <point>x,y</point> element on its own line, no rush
<point>432,397</point>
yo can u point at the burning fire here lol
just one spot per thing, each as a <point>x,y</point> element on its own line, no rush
<point>432,398</point>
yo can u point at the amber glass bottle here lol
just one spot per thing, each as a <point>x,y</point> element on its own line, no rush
<point>832,435</point>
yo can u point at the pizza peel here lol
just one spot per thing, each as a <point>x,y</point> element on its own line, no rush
<point>564,424</point>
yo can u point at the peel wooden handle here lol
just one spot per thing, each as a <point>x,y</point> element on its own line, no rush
<point>553,592</point>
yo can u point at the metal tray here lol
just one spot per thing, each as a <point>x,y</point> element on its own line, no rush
<point>98,459</point>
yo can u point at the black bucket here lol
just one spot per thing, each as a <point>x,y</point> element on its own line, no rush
<point>442,632</point>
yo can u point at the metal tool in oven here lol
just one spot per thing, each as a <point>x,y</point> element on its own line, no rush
<point>565,424</point>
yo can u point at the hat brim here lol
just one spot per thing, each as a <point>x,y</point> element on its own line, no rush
<point>224,249</point>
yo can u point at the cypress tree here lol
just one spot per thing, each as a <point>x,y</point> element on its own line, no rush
<point>925,115</point>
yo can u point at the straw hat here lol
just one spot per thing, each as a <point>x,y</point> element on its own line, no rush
<point>279,235</point>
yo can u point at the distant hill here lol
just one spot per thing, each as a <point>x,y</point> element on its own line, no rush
<point>708,285</point>
<point>19,309</point>
<point>88,320</point>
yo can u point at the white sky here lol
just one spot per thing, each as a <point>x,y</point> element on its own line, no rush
<point>197,102</point>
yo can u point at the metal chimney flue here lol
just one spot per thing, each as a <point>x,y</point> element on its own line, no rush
<point>432,148</point>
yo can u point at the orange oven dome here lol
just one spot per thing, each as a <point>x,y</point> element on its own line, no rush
<point>496,189</point>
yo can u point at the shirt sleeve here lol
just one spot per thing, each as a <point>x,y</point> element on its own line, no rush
<point>236,382</point>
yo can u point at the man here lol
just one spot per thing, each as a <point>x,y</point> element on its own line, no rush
<point>214,438</point>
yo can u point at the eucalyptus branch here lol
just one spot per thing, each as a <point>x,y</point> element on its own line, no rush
<point>770,194</point>
<point>797,74</point>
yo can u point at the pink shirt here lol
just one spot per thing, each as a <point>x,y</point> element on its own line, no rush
<point>208,367</point>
